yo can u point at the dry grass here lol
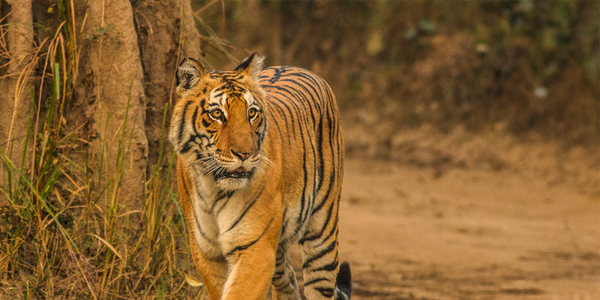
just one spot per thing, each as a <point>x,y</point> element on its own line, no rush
<point>58,239</point>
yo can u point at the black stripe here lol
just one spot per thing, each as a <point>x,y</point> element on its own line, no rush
<point>320,234</point>
<point>300,219</point>
<point>182,124</point>
<point>313,103</point>
<point>220,196</point>
<point>326,197</point>
<point>186,189</point>
<point>278,275</point>
<point>321,167</point>
<point>246,246</point>
<point>246,209</point>
<point>300,97</point>
<point>200,228</point>
<point>320,254</point>
<point>281,136</point>
<point>187,146</point>
<point>194,119</point>
<point>329,267</point>
<point>326,292</point>
<point>293,111</point>
<point>318,279</point>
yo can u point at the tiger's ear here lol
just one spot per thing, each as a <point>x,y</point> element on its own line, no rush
<point>188,75</point>
<point>251,65</point>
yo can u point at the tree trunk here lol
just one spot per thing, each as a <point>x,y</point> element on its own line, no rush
<point>114,94</point>
<point>16,88</point>
<point>127,56</point>
<point>166,34</point>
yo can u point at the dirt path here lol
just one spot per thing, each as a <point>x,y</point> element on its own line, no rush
<point>524,226</point>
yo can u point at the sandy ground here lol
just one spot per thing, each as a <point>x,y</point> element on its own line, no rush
<point>459,216</point>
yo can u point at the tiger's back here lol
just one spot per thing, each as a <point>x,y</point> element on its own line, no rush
<point>260,163</point>
<point>304,118</point>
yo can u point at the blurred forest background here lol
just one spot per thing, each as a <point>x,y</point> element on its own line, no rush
<point>86,89</point>
<point>524,66</point>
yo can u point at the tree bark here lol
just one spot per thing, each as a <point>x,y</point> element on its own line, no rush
<point>16,87</point>
<point>126,63</point>
<point>114,97</point>
<point>166,34</point>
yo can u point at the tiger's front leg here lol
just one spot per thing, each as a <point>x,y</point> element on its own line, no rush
<point>251,273</point>
<point>212,271</point>
<point>250,250</point>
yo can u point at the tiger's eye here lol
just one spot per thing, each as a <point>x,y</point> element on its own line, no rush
<point>216,114</point>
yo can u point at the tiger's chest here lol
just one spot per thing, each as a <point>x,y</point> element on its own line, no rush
<point>220,218</point>
<point>211,216</point>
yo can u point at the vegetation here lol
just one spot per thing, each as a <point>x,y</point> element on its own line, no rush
<point>59,243</point>
<point>67,227</point>
<point>528,67</point>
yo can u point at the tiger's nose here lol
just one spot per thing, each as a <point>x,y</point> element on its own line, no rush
<point>241,155</point>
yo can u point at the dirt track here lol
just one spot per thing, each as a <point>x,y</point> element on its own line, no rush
<point>472,217</point>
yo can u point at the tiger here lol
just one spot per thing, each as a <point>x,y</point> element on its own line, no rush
<point>259,167</point>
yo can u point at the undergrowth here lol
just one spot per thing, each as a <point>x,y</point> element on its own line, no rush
<point>64,230</point>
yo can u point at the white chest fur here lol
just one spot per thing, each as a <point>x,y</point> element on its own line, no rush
<point>216,213</point>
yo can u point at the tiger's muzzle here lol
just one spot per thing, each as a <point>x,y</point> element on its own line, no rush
<point>239,173</point>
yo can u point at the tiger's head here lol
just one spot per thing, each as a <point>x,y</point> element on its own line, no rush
<point>219,122</point>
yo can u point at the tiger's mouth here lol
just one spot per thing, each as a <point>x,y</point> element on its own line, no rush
<point>239,173</point>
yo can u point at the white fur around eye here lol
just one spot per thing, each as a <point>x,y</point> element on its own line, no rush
<point>220,98</point>
<point>249,99</point>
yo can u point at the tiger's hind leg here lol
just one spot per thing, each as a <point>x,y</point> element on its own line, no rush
<point>320,262</point>
<point>328,281</point>
<point>284,279</point>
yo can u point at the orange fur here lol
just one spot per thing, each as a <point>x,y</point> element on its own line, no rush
<point>260,163</point>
